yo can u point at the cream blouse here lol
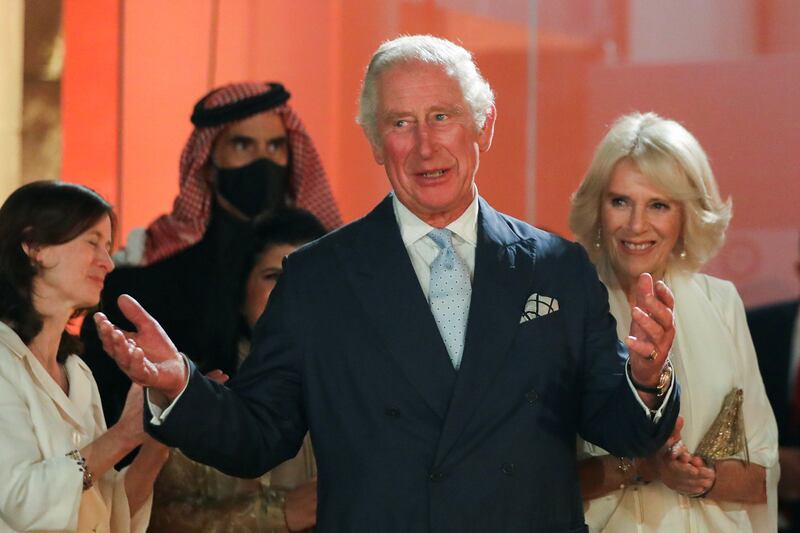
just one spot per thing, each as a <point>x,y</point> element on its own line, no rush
<point>712,353</point>
<point>41,489</point>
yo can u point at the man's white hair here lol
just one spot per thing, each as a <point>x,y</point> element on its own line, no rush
<point>455,61</point>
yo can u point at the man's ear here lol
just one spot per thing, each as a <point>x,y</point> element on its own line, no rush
<point>486,133</point>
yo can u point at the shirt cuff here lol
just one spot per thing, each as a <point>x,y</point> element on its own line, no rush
<point>654,414</point>
<point>160,414</point>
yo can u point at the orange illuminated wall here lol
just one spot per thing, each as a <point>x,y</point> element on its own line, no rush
<point>135,68</point>
<point>728,72</point>
<point>563,145</point>
<point>125,140</point>
<point>90,106</point>
<point>745,114</point>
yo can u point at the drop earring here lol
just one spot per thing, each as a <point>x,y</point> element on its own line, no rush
<point>597,239</point>
<point>682,253</point>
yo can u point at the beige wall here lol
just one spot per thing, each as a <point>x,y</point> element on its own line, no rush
<point>12,25</point>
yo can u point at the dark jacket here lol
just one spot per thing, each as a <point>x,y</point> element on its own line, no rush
<point>771,328</point>
<point>348,347</point>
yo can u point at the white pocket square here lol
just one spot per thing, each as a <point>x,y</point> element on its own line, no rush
<point>538,305</point>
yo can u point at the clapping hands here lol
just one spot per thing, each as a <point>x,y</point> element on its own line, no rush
<point>677,468</point>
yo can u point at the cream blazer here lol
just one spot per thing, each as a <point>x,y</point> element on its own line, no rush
<point>40,487</point>
<point>712,353</point>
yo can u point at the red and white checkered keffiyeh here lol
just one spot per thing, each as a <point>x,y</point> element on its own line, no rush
<point>191,210</point>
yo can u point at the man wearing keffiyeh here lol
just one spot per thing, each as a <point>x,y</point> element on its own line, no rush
<point>248,155</point>
<point>214,117</point>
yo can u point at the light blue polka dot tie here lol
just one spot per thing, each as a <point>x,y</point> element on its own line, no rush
<point>449,295</point>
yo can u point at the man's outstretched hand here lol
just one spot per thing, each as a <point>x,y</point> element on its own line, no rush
<point>147,355</point>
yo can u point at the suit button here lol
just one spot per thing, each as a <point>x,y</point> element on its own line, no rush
<point>531,396</point>
<point>508,468</point>
<point>435,476</point>
<point>392,412</point>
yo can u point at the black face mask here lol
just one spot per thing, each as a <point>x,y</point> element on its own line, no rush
<point>260,186</point>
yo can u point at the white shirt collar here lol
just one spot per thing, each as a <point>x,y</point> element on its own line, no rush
<point>412,228</point>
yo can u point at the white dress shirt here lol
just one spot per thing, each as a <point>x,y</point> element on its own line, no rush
<point>423,251</point>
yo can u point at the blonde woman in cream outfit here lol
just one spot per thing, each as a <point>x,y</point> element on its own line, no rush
<point>56,455</point>
<point>649,203</point>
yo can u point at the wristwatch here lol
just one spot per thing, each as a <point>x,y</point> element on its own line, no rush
<point>664,380</point>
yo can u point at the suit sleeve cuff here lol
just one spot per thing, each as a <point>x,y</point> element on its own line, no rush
<point>654,414</point>
<point>159,413</point>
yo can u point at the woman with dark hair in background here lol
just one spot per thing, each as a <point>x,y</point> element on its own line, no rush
<point>649,203</point>
<point>190,496</point>
<point>56,455</point>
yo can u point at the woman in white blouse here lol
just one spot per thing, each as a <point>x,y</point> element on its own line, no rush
<point>649,203</point>
<point>56,455</point>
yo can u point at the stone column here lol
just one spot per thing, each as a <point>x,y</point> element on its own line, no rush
<point>11,54</point>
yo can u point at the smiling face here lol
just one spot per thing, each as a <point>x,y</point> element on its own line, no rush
<point>260,136</point>
<point>72,274</point>
<point>640,224</point>
<point>427,141</point>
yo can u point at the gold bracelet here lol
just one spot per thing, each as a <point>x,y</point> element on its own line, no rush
<point>625,465</point>
<point>630,472</point>
<point>88,478</point>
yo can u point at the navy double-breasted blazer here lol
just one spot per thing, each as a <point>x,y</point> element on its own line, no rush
<point>349,349</point>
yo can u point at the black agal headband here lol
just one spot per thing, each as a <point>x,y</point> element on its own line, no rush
<point>214,116</point>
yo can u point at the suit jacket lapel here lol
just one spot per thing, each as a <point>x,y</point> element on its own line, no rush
<point>387,287</point>
<point>503,277</point>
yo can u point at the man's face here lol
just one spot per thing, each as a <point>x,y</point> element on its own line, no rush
<point>256,137</point>
<point>427,141</point>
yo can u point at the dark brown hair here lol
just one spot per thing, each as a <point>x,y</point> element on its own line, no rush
<point>40,213</point>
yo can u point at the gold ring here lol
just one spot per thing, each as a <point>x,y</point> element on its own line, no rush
<point>652,356</point>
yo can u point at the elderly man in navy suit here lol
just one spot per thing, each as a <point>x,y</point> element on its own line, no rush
<point>443,355</point>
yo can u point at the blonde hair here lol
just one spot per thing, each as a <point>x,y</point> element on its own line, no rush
<point>670,156</point>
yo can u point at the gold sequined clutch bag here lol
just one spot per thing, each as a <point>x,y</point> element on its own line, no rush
<point>726,438</point>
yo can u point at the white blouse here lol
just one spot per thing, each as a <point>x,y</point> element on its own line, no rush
<point>41,489</point>
<point>712,353</point>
